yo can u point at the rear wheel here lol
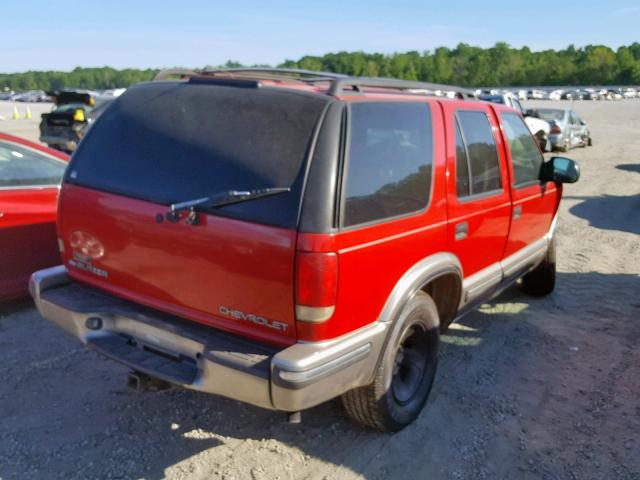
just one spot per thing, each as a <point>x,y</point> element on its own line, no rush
<point>406,372</point>
<point>542,280</point>
<point>589,141</point>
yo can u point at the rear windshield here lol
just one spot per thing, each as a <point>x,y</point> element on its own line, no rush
<point>171,142</point>
<point>549,114</point>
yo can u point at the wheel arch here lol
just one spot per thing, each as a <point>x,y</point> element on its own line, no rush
<point>446,292</point>
<point>438,275</point>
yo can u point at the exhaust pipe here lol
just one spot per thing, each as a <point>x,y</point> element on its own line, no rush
<point>141,382</point>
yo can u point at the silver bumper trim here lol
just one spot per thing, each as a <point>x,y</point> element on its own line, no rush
<point>294,378</point>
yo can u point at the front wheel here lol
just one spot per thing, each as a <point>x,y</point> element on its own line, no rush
<point>406,372</point>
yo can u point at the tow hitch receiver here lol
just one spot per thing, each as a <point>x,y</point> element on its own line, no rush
<point>141,382</point>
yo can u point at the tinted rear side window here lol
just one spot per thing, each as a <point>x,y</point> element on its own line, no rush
<point>481,152</point>
<point>389,161</point>
<point>170,142</point>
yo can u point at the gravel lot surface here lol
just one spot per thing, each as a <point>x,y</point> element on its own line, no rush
<point>527,388</point>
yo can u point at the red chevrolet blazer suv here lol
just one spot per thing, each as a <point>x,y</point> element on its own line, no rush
<point>285,237</point>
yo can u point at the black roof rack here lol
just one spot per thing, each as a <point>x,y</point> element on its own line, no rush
<point>357,83</point>
<point>267,73</point>
<point>340,84</point>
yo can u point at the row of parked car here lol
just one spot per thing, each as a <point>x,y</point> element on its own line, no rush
<point>554,128</point>
<point>282,237</point>
<point>568,94</point>
<point>40,96</point>
<point>31,96</point>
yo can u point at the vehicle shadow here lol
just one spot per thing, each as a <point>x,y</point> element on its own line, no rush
<point>496,365</point>
<point>610,212</point>
<point>12,306</point>
<point>629,167</point>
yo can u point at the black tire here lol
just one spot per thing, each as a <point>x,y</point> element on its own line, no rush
<point>542,280</point>
<point>406,372</point>
<point>589,141</point>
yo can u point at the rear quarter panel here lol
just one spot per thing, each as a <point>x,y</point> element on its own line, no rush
<point>373,258</point>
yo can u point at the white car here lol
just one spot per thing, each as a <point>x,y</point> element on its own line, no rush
<point>539,128</point>
<point>629,93</point>
<point>556,95</point>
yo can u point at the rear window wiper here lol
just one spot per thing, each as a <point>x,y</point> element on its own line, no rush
<point>216,201</point>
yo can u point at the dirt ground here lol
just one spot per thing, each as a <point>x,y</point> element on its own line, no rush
<point>527,388</point>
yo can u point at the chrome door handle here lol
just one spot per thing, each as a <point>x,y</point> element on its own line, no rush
<point>462,230</point>
<point>517,212</point>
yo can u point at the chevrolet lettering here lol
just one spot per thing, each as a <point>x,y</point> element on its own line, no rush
<point>250,317</point>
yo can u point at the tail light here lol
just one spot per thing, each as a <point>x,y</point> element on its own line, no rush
<point>316,286</point>
<point>555,129</point>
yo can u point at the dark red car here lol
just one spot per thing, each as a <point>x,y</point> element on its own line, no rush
<point>30,177</point>
<point>286,237</point>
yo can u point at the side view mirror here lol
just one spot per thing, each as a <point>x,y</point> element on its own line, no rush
<point>560,170</point>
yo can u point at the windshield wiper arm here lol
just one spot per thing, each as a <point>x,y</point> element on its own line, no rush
<point>218,200</point>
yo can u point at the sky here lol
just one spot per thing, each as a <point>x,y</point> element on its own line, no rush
<point>64,34</point>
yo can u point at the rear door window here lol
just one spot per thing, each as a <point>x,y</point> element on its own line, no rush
<point>483,165</point>
<point>389,161</point>
<point>525,155</point>
<point>169,142</point>
<point>462,165</point>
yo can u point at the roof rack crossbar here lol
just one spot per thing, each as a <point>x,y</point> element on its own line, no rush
<point>183,72</point>
<point>314,76</point>
<point>338,85</point>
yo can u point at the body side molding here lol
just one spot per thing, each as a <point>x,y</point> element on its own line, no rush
<point>525,259</point>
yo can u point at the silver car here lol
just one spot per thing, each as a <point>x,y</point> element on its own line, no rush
<point>568,130</point>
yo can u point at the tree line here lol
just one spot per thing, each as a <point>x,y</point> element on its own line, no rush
<point>463,65</point>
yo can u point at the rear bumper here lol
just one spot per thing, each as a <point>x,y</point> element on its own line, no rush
<point>202,358</point>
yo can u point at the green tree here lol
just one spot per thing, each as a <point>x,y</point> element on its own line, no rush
<point>465,65</point>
